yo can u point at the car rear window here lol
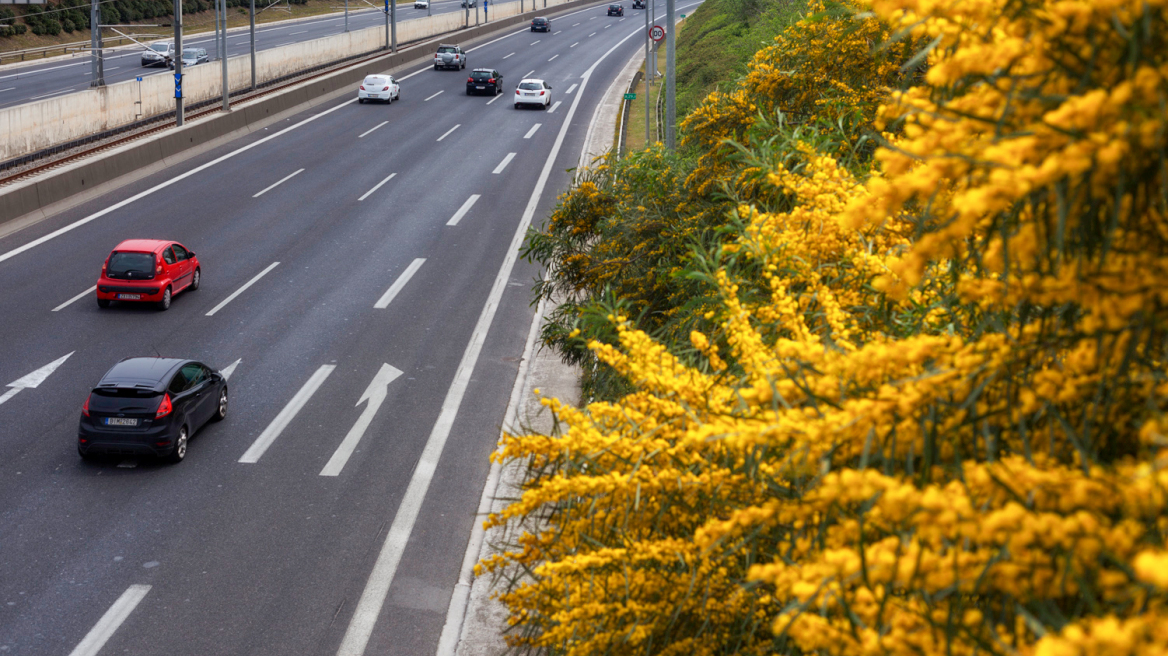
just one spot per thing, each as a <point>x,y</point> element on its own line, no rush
<point>374,80</point>
<point>530,86</point>
<point>448,49</point>
<point>125,264</point>
<point>160,47</point>
<point>480,75</point>
<point>540,21</point>
<point>125,392</point>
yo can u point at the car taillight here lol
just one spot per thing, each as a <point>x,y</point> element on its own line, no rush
<point>85,407</point>
<point>456,56</point>
<point>385,88</point>
<point>362,87</point>
<point>470,79</point>
<point>491,81</point>
<point>541,93</point>
<point>164,408</point>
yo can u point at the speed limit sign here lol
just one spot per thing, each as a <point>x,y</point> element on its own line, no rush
<point>657,33</point>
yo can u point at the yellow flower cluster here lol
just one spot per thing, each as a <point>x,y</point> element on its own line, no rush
<point>931,421</point>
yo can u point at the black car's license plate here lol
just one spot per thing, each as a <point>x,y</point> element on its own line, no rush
<point>477,87</point>
<point>121,421</point>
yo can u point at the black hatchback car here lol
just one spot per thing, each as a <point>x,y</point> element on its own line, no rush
<point>484,80</point>
<point>616,10</point>
<point>150,406</point>
<point>541,25</point>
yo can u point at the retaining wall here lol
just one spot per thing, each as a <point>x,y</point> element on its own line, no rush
<point>37,125</point>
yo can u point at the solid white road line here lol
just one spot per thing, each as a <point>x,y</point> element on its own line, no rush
<point>229,369</point>
<point>40,70</point>
<point>375,394</point>
<point>239,291</point>
<point>372,129</point>
<point>462,210</point>
<point>377,186</point>
<point>401,281</point>
<point>113,618</point>
<point>502,165</point>
<point>50,94</point>
<point>553,57</point>
<point>295,33</point>
<point>447,133</point>
<point>506,56</point>
<point>574,44</point>
<point>381,578</point>
<point>571,89</point>
<point>436,94</point>
<point>76,298</point>
<point>8,89</point>
<point>279,182</point>
<point>286,415</point>
<point>554,106</point>
<point>526,136</point>
<point>494,99</point>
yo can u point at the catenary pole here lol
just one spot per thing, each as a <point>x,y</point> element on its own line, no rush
<point>226,85</point>
<point>97,65</point>
<point>346,15</point>
<point>646,76</point>
<point>670,76</point>
<point>393,22</point>
<point>253,68</point>
<point>178,101</point>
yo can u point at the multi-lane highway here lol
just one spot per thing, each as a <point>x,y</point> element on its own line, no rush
<point>59,76</point>
<point>385,235</point>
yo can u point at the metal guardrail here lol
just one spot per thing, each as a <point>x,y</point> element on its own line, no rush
<point>64,48</point>
<point>628,104</point>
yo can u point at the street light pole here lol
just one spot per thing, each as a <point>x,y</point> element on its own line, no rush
<point>253,65</point>
<point>670,76</point>
<point>648,87</point>
<point>346,15</point>
<point>97,63</point>
<point>393,22</point>
<point>178,101</point>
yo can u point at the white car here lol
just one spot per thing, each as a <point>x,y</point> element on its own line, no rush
<point>379,87</point>
<point>533,92</point>
<point>158,54</point>
<point>421,4</point>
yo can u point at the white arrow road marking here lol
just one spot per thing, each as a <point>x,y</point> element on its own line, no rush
<point>462,210</point>
<point>287,415</point>
<point>399,284</point>
<point>75,299</point>
<point>502,165</point>
<point>34,379</point>
<point>241,290</point>
<point>113,618</point>
<point>375,395</point>
<point>229,369</point>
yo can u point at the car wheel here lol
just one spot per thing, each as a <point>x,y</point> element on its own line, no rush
<point>87,457</point>
<point>360,101</point>
<point>164,304</point>
<point>198,278</point>
<point>221,409</point>
<point>103,302</point>
<point>180,447</point>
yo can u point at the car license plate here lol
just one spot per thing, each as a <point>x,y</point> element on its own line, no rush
<point>120,421</point>
<point>477,87</point>
<point>129,297</point>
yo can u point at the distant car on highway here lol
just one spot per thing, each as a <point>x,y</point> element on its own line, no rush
<point>421,4</point>
<point>158,54</point>
<point>469,3</point>
<point>484,80</point>
<point>379,87</point>
<point>638,4</point>
<point>541,25</point>
<point>147,271</point>
<point>192,57</point>
<point>616,10</point>
<point>533,92</point>
<point>450,55</point>
<point>150,406</point>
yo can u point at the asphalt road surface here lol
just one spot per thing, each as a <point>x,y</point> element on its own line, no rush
<point>61,76</point>
<point>219,556</point>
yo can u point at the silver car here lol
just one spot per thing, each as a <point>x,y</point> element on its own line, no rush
<point>192,57</point>
<point>158,54</point>
<point>449,56</point>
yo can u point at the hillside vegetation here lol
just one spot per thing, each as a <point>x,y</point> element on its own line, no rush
<point>877,367</point>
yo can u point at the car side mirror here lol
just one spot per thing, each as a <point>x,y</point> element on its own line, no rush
<point>190,254</point>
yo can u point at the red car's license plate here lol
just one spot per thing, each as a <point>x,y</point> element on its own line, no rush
<point>129,297</point>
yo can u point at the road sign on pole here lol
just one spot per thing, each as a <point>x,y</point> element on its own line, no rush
<point>657,33</point>
<point>630,96</point>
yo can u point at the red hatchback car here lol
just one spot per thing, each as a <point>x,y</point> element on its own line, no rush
<point>147,270</point>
